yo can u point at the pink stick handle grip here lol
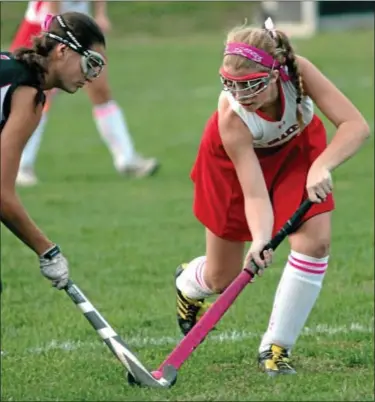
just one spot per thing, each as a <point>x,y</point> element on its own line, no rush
<point>212,316</point>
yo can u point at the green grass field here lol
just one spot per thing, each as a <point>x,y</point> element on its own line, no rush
<point>124,239</point>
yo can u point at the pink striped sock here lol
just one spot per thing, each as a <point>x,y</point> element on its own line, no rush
<point>111,124</point>
<point>295,297</point>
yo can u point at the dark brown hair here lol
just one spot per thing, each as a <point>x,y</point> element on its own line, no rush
<point>83,27</point>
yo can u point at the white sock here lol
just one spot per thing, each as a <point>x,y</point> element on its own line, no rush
<point>191,281</point>
<point>295,297</point>
<point>113,129</point>
<point>31,149</point>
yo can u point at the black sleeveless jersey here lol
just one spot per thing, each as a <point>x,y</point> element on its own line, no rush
<point>13,74</point>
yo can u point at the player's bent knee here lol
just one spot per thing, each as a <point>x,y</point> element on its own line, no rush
<point>318,247</point>
<point>321,248</point>
<point>314,237</point>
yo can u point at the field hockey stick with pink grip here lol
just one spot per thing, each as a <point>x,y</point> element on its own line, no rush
<point>213,315</point>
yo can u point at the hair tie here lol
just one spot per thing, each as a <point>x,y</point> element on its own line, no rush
<point>299,108</point>
<point>270,27</point>
<point>46,24</point>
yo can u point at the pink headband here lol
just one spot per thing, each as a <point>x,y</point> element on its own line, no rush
<point>257,55</point>
<point>47,22</point>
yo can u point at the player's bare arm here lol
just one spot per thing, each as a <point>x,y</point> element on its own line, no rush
<point>237,141</point>
<point>23,120</point>
<point>352,128</point>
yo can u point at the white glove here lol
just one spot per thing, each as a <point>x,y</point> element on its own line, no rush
<point>54,266</point>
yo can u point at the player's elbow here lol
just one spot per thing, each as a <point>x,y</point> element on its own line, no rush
<point>358,128</point>
<point>365,129</point>
<point>362,128</point>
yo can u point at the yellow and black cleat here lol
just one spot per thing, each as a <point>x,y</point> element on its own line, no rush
<point>275,361</point>
<point>188,310</point>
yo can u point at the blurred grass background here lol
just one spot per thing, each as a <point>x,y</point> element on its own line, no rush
<point>153,18</point>
<point>124,238</point>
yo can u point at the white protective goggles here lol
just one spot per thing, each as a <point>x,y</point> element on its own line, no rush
<point>92,63</point>
<point>247,86</point>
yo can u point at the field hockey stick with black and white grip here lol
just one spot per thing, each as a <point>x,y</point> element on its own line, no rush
<point>163,379</point>
<point>213,315</point>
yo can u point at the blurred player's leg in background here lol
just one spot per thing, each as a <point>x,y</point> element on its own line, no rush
<point>30,26</point>
<point>108,117</point>
<point>111,124</point>
<point>26,175</point>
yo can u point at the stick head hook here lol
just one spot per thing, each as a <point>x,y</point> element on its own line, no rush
<point>165,379</point>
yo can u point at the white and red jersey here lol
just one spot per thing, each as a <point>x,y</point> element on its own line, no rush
<point>285,160</point>
<point>267,132</point>
<point>31,25</point>
<point>36,11</point>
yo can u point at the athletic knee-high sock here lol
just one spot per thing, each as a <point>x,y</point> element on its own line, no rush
<point>191,282</point>
<point>111,124</point>
<point>295,297</point>
<point>31,149</point>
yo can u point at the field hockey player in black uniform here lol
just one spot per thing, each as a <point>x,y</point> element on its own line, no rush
<point>69,53</point>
